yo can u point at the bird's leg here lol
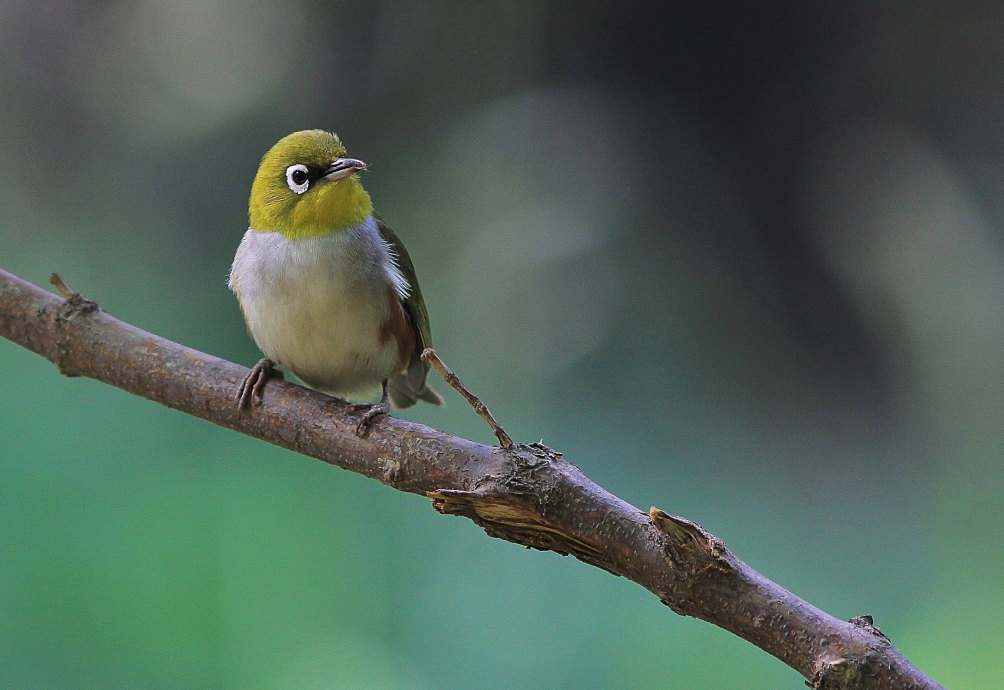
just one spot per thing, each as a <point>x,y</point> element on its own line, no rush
<point>251,387</point>
<point>371,410</point>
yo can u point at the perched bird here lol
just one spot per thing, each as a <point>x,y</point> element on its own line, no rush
<point>327,290</point>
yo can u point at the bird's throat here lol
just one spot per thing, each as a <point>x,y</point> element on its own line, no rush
<point>330,207</point>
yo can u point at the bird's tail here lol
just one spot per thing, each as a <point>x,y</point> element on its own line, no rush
<point>410,387</point>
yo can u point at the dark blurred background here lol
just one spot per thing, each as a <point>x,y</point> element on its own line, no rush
<point>744,264</point>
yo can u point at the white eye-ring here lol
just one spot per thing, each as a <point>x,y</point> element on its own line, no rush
<point>298,178</point>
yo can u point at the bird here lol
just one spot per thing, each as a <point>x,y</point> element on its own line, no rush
<point>327,290</point>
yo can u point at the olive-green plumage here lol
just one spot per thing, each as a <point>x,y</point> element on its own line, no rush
<point>327,208</point>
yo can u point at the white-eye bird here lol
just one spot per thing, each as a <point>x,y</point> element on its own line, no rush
<point>327,290</point>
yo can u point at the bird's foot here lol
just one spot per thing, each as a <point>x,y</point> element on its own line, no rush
<point>370,411</point>
<point>251,387</point>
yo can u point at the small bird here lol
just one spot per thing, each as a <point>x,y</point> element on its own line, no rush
<point>327,290</point>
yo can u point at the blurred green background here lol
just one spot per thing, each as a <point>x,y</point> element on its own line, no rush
<point>746,265</point>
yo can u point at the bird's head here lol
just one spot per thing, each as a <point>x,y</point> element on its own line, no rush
<point>306,186</point>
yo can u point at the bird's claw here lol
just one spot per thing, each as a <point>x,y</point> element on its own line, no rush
<point>371,411</point>
<point>250,390</point>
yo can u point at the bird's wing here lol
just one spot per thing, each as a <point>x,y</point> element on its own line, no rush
<point>414,304</point>
<point>410,386</point>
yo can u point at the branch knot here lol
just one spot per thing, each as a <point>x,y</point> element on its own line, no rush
<point>74,305</point>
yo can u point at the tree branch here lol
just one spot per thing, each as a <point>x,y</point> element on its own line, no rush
<point>526,494</point>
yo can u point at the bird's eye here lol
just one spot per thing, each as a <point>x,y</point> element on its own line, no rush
<point>298,178</point>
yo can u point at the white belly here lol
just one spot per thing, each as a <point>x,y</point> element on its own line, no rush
<point>315,306</point>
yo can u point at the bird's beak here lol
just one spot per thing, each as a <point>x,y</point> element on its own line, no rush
<point>343,167</point>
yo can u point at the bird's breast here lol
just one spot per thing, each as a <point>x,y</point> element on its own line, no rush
<point>327,308</point>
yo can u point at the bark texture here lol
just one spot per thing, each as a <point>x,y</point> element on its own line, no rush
<point>526,493</point>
